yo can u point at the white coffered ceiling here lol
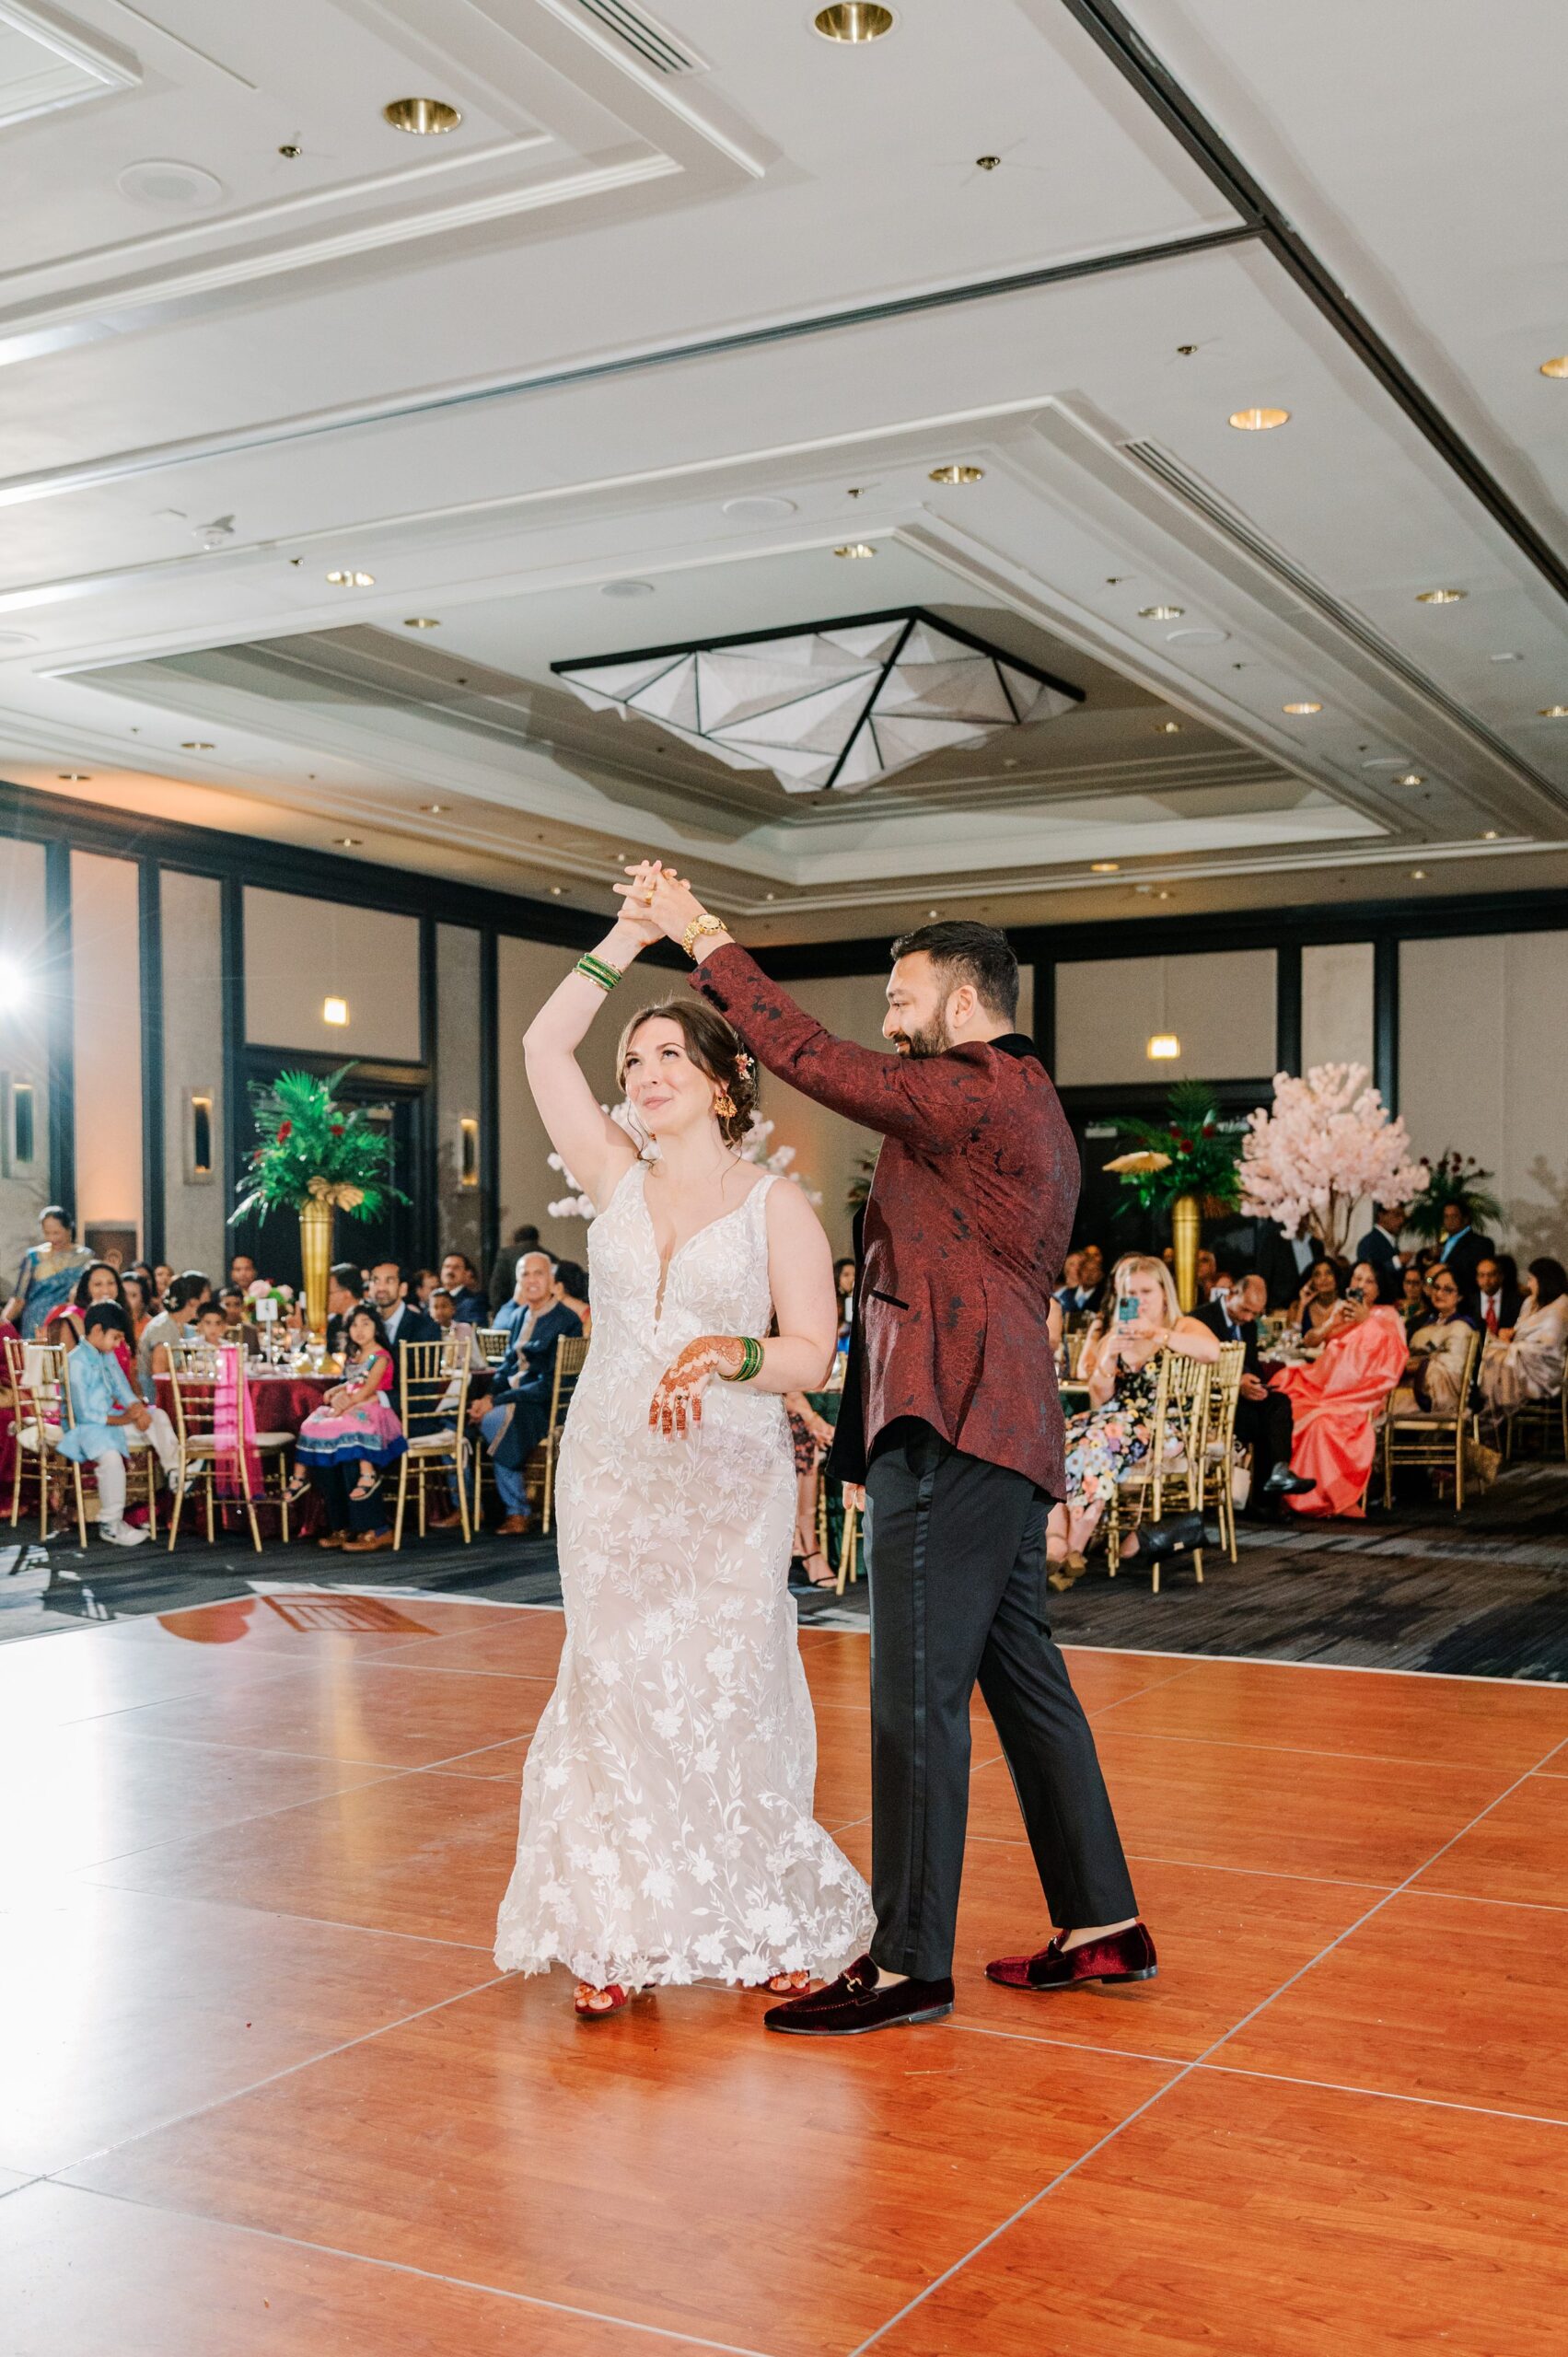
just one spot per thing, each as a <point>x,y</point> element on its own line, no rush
<point>623,359</point>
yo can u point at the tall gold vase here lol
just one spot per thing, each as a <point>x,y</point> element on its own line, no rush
<point>1184,1245</point>
<point>316,1257</point>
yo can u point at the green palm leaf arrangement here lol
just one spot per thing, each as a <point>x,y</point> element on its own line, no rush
<point>312,1149</point>
<point>1198,1158</point>
<point>1455,1179</point>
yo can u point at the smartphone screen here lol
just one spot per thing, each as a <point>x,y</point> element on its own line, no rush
<point>1126,1308</point>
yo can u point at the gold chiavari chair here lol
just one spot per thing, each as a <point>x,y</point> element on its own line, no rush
<point>1433,1438</point>
<point>194,1373</point>
<point>433,1407</point>
<point>1175,1463</point>
<point>1547,1418</point>
<point>493,1342</point>
<point>41,1390</point>
<point>571,1357</point>
<point>1219,1453</point>
<point>849,1548</point>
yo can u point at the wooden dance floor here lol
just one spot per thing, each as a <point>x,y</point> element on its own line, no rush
<point>261,2090</point>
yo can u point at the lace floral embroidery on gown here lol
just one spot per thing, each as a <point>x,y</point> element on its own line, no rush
<point>665,1829</point>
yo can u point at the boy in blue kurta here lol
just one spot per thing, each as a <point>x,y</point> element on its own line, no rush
<point>106,1410</point>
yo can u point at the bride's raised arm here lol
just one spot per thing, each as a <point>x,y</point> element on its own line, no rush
<point>596,1150</point>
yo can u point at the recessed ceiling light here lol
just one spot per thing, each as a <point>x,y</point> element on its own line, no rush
<point>1162,895</point>
<point>421,621</point>
<point>183,188</point>
<point>1554,712</point>
<point>292,149</point>
<point>75,777</point>
<point>1418,874</point>
<point>1301,707</point>
<point>1557,368</point>
<point>1105,867</point>
<point>854,20</point>
<point>988,163</point>
<point>422,116</point>
<point>759,507</point>
<point>770,895</point>
<point>855,548</point>
<point>1506,658</point>
<point>1258,420</point>
<point>1200,634</point>
<point>1411,777</point>
<point>1169,728</point>
<point>1160,613</point>
<point>1489,836</point>
<point>956,473</point>
<point>195,745</point>
<point>434,808</point>
<point>933,912</point>
<point>555,892</point>
<point>626,589</point>
<point>1440,597</point>
<point>341,579</point>
<point>348,842</point>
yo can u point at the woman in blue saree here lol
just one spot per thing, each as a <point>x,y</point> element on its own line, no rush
<point>49,1273</point>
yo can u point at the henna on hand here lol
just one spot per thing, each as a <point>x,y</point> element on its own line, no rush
<point>680,1394</point>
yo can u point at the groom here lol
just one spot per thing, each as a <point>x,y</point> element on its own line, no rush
<point>950,1420</point>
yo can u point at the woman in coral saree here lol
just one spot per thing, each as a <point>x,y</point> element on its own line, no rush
<point>1337,1400</point>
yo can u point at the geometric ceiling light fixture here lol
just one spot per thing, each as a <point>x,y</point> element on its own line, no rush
<point>839,704</point>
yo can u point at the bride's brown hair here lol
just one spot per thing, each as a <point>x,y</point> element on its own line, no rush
<point>714,1047</point>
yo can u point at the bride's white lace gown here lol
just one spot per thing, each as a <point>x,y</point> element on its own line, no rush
<point>667,1831</point>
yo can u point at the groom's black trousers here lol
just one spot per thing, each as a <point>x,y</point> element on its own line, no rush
<point>956,1557</point>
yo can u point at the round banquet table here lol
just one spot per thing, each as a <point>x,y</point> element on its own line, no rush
<point>278,1403</point>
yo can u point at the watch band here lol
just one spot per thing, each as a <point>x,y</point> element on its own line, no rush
<point>698,926</point>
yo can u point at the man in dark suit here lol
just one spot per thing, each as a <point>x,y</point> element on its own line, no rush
<point>514,1418</point>
<point>1497,1299</point>
<point>402,1320</point>
<point>1088,1297</point>
<point>951,1418</point>
<point>1381,1245</point>
<point>1263,1420</point>
<point>1461,1250</point>
<point>345,1290</point>
<point>462,1280</point>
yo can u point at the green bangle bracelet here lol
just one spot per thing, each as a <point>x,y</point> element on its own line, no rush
<point>599,970</point>
<point>751,1359</point>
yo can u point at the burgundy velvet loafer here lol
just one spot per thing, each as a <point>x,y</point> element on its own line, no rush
<point>854,2002</point>
<point>1125,1955</point>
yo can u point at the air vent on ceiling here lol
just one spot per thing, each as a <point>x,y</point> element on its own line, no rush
<point>1241,534</point>
<point>641,32</point>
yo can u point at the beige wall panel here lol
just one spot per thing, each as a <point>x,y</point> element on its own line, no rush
<point>107,1038</point>
<point>299,952</point>
<point>1336,1003</point>
<point>24,1054</point>
<point>1483,1067</point>
<point>1219,1004</point>
<point>195,1209</point>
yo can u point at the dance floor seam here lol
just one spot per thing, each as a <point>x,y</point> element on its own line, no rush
<point>1287,2144</point>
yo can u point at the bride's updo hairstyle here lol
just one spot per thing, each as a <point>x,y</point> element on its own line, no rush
<point>714,1047</point>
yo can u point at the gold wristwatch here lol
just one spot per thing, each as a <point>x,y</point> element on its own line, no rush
<point>698,926</point>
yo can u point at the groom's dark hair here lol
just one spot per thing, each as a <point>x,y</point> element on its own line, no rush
<point>976,954</point>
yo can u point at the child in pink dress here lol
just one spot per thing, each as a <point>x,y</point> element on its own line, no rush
<point>356,1424</point>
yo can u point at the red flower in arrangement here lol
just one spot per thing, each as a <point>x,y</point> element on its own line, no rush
<point>337,1129</point>
<point>284,1129</point>
<point>1209,1130</point>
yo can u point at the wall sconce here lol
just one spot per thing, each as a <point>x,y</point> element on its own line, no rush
<point>199,1134</point>
<point>21,1127</point>
<point>1164,1048</point>
<point>468,1151</point>
<point>334,1010</point>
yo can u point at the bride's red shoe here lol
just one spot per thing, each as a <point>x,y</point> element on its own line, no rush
<point>584,2008</point>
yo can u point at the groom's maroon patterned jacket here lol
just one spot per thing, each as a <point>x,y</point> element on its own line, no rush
<point>963,1233</point>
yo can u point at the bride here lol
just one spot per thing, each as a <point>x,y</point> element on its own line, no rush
<point>667,1829</point>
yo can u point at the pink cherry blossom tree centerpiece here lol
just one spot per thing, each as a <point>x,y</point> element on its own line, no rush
<point>1328,1141</point>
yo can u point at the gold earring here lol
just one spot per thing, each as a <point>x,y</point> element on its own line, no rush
<point>724,1105</point>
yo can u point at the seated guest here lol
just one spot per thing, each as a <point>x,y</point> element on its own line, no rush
<point>345,1290</point>
<point>143,1274</point>
<point>346,1444</point>
<point>107,1409</point>
<point>1086,1298</point>
<point>210,1326</point>
<point>238,1327</point>
<point>512,1420</point>
<point>1438,1348</point>
<point>1206,1271</point>
<point>1316,1302</point>
<point>462,1280</point>
<point>181,1302</point>
<point>1336,1400</point>
<point>1070,1269</point>
<point>503,1275</point>
<point>1380,1245</point>
<point>844,1286</point>
<point>402,1321</point>
<point>570,1289</point>
<point>163,1277</point>
<point>532,1290</point>
<point>99,1280</point>
<point>1413,1296</point>
<point>443,1308</point>
<point>420,1285</point>
<point>1461,1249</point>
<point>1496,1301</point>
<point>1112,1435</point>
<point>1527,1363</point>
<point>242,1272</point>
<point>1263,1419</point>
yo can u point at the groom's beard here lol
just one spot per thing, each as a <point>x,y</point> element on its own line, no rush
<point>932,1041</point>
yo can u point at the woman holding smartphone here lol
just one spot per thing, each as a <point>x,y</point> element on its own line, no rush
<point>1112,1433</point>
